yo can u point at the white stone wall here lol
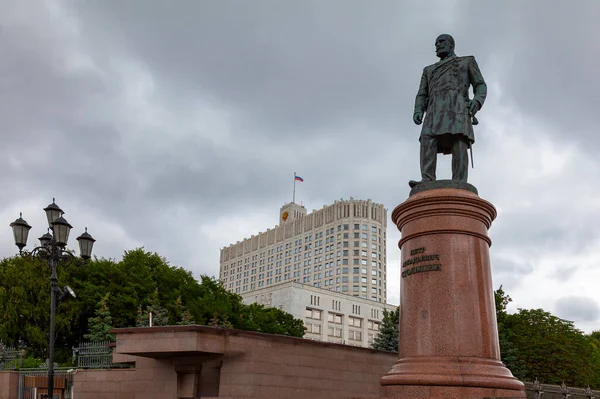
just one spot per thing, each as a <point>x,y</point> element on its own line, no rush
<point>296,298</point>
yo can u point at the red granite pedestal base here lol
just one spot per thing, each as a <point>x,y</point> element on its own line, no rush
<point>448,337</point>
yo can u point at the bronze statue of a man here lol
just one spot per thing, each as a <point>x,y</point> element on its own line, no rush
<point>449,113</point>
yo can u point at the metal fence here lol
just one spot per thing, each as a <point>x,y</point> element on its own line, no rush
<point>93,355</point>
<point>536,390</point>
<point>10,357</point>
<point>33,384</point>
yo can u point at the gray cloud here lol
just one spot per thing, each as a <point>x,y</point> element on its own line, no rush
<point>179,126</point>
<point>578,308</point>
<point>510,272</point>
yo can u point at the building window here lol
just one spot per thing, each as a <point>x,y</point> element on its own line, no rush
<point>370,338</point>
<point>355,322</point>
<point>312,328</point>
<point>354,335</point>
<point>334,332</point>
<point>313,314</point>
<point>334,318</point>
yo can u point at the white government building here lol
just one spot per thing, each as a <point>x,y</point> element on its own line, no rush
<point>328,316</point>
<point>327,268</point>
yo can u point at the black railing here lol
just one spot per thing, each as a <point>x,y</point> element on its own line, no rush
<point>10,357</point>
<point>93,355</point>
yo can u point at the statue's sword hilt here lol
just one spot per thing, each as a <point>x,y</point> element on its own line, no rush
<point>474,122</point>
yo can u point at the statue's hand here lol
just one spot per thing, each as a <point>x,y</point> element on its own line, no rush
<point>473,107</point>
<point>418,118</point>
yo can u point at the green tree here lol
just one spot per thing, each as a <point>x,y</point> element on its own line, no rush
<point>184,315</point>
<point>536,344</point>
<point>549,348</point>
<point>256,317</point>
<point>101,324</point>
<point>508,351</point>
<point>160,315</point>
<point>140,281</point>
<point>387,339</point>
<point>25,304</point>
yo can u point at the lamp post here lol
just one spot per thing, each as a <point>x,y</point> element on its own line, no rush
<point>53,250</point>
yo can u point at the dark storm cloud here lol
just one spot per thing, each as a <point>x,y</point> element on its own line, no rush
<point>578,308</point>
<point>546,56</point>
<point>510,273</point>
<point>290,66</point>
<point>164,119</point>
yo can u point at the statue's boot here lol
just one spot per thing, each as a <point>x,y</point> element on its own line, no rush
<point>413,183</point>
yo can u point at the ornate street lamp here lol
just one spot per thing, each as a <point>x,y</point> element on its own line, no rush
<point>53,250</point>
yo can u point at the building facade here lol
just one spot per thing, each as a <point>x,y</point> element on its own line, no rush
<point>328,316</point>
<point>340,248</point>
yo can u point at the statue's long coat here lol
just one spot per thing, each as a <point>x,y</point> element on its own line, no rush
<point>444,97</point>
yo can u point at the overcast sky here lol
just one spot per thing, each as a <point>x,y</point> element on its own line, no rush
<point>178,125</point>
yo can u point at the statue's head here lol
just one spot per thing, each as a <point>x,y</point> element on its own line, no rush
<point>444,46</point>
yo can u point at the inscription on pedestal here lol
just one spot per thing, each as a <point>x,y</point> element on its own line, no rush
<point>422,257</point>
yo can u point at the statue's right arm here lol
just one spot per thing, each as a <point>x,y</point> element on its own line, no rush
<point>421,99</point>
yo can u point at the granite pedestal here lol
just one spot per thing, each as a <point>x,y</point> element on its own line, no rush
<point>448,337</point>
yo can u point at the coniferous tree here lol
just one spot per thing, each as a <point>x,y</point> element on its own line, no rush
<point>101,324</point>
<point>387,339</point>
<point>160,315</point>
<point>185,316</point>
<point>186,319</point>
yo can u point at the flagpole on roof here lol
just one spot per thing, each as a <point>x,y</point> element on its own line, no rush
<point>294,196</point>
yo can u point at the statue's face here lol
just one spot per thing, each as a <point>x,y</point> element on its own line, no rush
<point>443,46</point>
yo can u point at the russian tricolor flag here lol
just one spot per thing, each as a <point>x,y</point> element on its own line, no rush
<point>298,178</point>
